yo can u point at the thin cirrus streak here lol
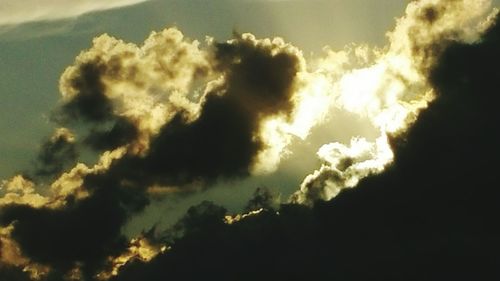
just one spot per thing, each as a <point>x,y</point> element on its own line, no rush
<point>160,113</point>
<point>19,12</point>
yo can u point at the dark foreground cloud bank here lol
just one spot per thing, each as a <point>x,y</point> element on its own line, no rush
<point>432,215</point>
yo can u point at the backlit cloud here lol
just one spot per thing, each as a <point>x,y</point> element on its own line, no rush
<point>173,116</point>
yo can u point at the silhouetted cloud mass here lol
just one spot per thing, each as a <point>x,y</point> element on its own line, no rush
<point>258,84</point>
<point>85,231</point>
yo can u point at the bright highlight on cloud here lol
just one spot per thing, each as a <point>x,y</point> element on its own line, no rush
<point>176,116</point>
<point>390,89</point>
<point>14,12</point>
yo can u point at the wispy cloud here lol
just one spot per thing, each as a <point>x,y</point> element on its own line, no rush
<point>14,12</point>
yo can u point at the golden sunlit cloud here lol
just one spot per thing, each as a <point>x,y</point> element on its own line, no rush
<point>389,89</point>
<point>19,190</point>
<point>139,248</point>
<point>238,217</point>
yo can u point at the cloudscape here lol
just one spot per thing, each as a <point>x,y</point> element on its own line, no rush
<point>255,158</point>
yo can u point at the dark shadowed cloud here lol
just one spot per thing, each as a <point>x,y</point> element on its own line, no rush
<point>89,102</point>
<point>56,154</point>
<point>120,132</point>
<point>85,231</point>
<point>13,273</point>
<point>222,141</point>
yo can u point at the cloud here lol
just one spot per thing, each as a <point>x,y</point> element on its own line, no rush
<point>175,115</point>
<point>92,219</point>
<point>430,215</point>
<point>14,265</point>
<point>394,90</point>
<point>20,190</point>
<point>15,12</point>
<point>162,131</point>
<point>56,153</point>
<point>171,135</point>
<point>92,214</point>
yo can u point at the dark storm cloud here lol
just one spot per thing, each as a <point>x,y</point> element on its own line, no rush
<point>224,140</point>
<point>85,231</point>
<point>432,215</point>
<point>257,79</point>
<point>89,102</point>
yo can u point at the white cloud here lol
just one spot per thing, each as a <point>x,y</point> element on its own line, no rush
<point>14,12</point>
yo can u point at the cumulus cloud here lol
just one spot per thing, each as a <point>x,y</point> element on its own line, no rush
<point>18,12</point>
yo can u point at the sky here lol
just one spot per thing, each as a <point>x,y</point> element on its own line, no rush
<point>249,140</point>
